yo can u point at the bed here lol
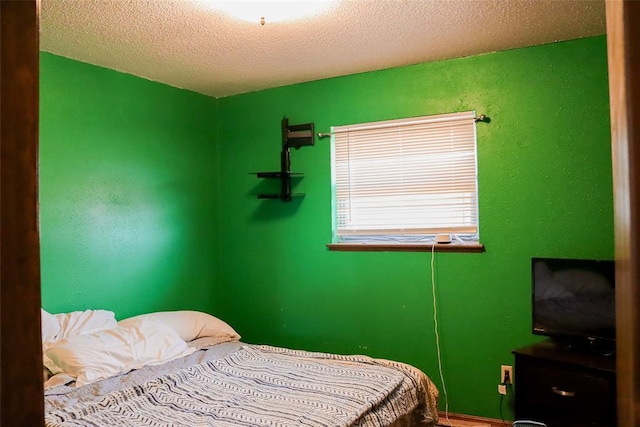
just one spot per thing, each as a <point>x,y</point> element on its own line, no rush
<point>188,368</point>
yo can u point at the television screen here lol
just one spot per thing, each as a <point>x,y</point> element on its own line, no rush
<point>574,299</point>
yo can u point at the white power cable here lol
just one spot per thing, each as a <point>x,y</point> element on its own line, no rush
<point>435,322</point>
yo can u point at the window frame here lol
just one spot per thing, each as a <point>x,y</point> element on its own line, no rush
<point>409,241</point>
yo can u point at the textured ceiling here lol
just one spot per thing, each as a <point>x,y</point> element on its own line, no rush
<point>183,44</point>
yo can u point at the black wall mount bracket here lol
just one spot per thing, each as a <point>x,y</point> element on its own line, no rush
<point>293,136</point>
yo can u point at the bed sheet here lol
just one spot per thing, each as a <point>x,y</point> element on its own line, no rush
<point>365,391</point>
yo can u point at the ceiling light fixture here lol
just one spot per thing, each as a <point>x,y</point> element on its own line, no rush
<point>270,11</point>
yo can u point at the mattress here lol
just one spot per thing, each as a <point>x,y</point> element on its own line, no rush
<point>235,384</point>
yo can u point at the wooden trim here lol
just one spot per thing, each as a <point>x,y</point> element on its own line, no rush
<point>21,346</point>
<point>462,420</point>
<point>623,47</point>
<point>406,247</point>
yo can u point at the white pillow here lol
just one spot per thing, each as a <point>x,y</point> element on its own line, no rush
<point>50,326</point>
<point>103,354</point>
<point>58,326</point>
<point>85,322</point>
<point>191,325</point>
<point>64,325</point>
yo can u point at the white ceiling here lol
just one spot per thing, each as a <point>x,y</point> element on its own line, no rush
<point>182,44</point>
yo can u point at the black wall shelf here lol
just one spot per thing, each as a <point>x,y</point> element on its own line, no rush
<point>293,136</point>
<point>277,174</point>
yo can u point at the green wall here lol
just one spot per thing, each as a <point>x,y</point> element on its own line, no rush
<point>148,203</point>
<point>545,189</point>
<point>128,192</point>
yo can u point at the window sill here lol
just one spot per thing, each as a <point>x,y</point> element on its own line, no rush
<point>406,247</point>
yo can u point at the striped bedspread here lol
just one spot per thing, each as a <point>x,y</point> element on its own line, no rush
<point>263,386</point>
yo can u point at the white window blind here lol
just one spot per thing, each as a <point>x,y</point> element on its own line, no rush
<point>405,179</point>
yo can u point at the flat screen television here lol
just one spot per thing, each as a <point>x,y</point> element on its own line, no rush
<point>573,301</point>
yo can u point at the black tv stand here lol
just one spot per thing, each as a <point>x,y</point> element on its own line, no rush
<point>586,346</point>
<point>564,387</point>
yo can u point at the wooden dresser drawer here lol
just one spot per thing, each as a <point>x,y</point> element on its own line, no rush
<point>563,394</point>
<point>570,397</point>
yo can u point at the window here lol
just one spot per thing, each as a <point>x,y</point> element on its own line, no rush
<point>405,180</point>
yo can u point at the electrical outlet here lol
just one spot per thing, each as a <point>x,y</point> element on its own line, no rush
<point>506,374</point>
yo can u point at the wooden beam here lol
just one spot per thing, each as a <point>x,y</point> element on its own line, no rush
<point>623,46</point>
<point>21,391</point>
